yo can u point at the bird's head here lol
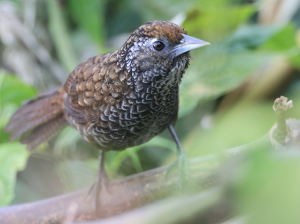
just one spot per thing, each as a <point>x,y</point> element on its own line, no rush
<point>156,46</point>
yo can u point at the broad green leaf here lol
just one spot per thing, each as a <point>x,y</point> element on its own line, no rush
<point>114,159</point>
<point>13,158</point>
<point>269,191</point>
<point>13,91</point>
<point>239,125</point>
<point>5,114</point>
<point>60,35</point>
<point>251,36</point>
<point>215,71</point>
<point>160,10</point>
<point>218,68</point>
<point>132,153</point>
<point>284,41</point>
<point>90,16</point>
<point>212,21</point>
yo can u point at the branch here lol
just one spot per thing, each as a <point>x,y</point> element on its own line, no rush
<point>126,193</point>
<point>171,210</point>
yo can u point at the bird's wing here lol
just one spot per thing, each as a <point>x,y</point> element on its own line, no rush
<point>92,86</point>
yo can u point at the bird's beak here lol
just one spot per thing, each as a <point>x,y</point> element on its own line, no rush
<point>188,43</point>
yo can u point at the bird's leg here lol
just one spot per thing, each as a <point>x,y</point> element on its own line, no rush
<point>181,162</point>
<point>101,183</point>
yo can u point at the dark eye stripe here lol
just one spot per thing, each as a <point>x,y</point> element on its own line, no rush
<point>158,45</point>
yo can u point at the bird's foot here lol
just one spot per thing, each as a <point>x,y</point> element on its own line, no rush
<point>181,165</point>
<point>102,184</point>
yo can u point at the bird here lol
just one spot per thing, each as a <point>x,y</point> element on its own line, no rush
<point>116,100</point>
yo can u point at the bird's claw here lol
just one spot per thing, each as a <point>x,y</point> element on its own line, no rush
<point>181,164</point>
<point>96,189</point>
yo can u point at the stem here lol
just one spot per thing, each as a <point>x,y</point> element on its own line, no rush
<point>281,105</point>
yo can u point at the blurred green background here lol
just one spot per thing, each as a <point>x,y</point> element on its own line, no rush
<point>226,95</point>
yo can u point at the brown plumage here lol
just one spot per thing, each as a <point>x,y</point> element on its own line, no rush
<point>40,116</point>
<point>116,100</point>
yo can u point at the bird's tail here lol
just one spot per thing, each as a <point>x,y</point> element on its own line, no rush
<point>39,119</point>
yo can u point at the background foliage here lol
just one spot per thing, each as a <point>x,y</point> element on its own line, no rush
<point>226,95</point>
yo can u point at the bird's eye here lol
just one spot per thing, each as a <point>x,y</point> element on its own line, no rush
<point>158,45</point>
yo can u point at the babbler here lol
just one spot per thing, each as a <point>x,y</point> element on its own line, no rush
<point>116,100</point>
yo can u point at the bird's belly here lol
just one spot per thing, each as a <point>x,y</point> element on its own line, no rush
<point>133,126</point>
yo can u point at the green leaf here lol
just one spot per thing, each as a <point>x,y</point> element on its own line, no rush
<point>4,118</point>
<point>13,157</point>
<point>212,21</point>
<point>132,153</point>
<point>239,125</point>
<point>218,71</point>
<point>160,10</point>
<point>60,35</point>
<point>269,192</point>
<point>90,16</point>
<point>251,36</point>
<point>284,41</point>
<point>228,61</point>
<point>13,91</point>
<point>114,159</point>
